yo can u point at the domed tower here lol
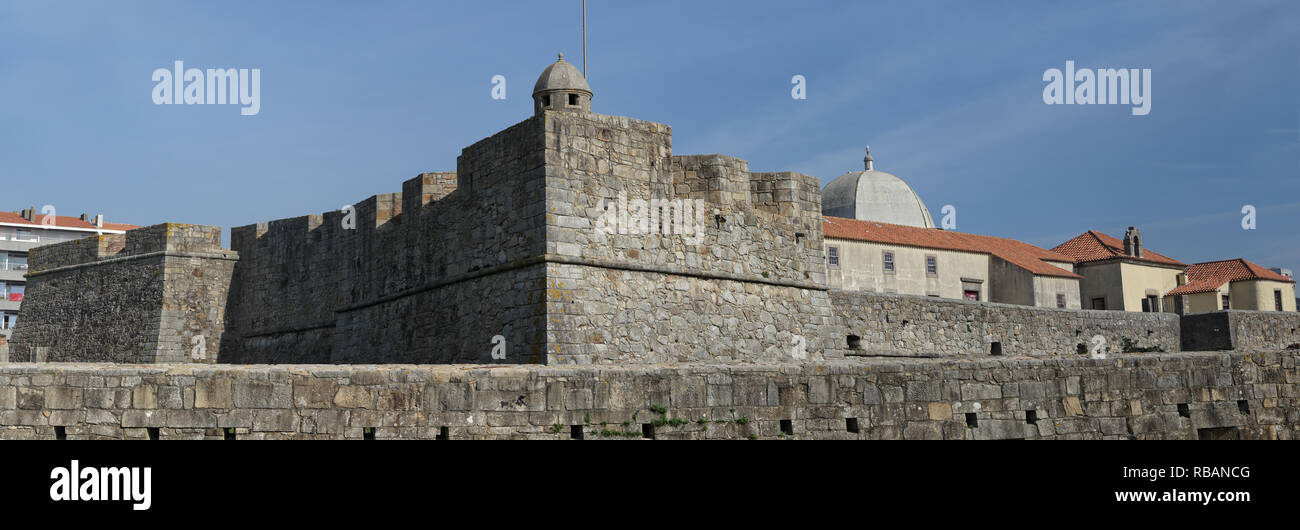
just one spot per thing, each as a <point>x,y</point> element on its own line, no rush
<point>561,88</point>
<point>873,195</point>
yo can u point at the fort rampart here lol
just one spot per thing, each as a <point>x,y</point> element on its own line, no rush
<point>154,294</point>
<point>905,325</point>
<point>1241,330</point>
<point>1145,396</point>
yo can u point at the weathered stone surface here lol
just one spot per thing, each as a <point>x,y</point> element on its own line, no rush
<point>154,294</point>
<point>968,329</point>
<point>900,399</point>
<point>940,411</point>
<point>213,393</point>
<point>1241,330</point>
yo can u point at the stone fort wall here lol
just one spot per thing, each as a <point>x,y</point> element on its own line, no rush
<point>1148,396</point>
<point>747,284</point>
<point>1241,330</point>
<point>428,275</point>
<point>906,325</point>
<point>154,294</point>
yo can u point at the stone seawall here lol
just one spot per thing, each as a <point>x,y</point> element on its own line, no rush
<point>1241,330</point>
<point>1146,396</point>
<point>905,325</point>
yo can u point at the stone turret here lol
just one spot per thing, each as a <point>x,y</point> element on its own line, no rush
<point>561,87</point>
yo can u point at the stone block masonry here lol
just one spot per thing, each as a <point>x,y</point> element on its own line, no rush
<point>1241,330</point>
<point>1147,396</point>
<point>428,275</point>
<point>154,294</point>
<point>751,288</point>
<point>906,325</point>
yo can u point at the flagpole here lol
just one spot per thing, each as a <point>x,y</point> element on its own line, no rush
<point>584,38</point>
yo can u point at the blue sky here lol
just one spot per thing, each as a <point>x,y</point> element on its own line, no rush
<point>356,97</point>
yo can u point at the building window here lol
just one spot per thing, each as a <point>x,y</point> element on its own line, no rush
<point>1277,299</point>
<point>971,295</point>
<point>889,261</point>
<point>8,320</point>
<point>546,102</point>
<point>573,100</point>
<point>931,266</point>
<point>13,262</point>
<point>1060,300</point>
<point>1151,304</point>
<point>833,256</point>
<point>1226,302</point>
<point>26,235</point>
<point>1099,303</point>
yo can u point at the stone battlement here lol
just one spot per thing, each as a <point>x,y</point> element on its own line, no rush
<point>173,238</point>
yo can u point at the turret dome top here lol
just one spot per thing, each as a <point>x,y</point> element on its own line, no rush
<point>561,76</point>
<point>562,87</point>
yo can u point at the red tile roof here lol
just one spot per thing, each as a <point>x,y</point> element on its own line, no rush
<point>61,221</point>
<point>1023,255</point>
<point>1096,246</point>
<point>1211,275</point>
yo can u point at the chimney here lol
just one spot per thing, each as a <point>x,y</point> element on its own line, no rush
<point>30,214</point>
<point>866,160</point>
<point>99,220</point>
<point>1133,242</point>
<point>85,217</point>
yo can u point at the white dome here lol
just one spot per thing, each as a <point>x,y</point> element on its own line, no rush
<point>875,196</point>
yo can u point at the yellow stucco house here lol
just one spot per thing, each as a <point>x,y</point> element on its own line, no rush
<point>890,258</point>
<point>880,237</point>
<point>1234,284</point>
<point>1121,275</point>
